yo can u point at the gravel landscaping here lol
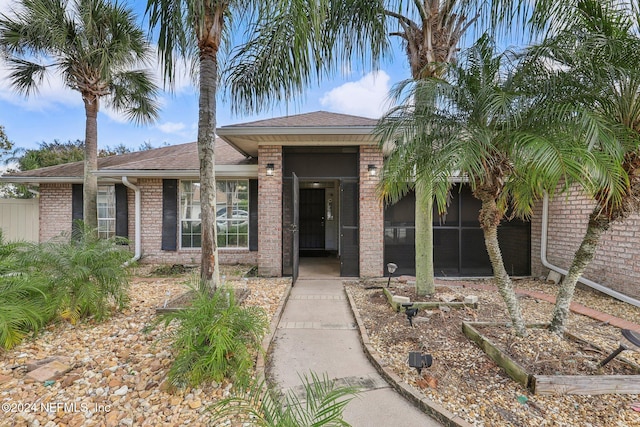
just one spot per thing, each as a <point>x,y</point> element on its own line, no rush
<point>118,372</point>
<point>468,384</point>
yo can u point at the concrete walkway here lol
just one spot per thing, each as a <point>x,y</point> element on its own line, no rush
<point>317,333</point>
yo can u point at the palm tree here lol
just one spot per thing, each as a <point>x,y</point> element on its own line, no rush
<point>503,136</point>
<point>599,53</point>
<point>95,46</point>
<point>322,404</point>
<point>298,43</point>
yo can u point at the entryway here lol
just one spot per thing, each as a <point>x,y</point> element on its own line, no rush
<point>320,194</point>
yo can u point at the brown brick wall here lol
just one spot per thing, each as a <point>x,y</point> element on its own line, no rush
<point>270,212</point>
<point>55,218</point>
<point>371,215</point>
<point>617,261</point>
<point>55,210</point>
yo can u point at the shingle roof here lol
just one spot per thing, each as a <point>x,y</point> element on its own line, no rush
<point>175,157</point>
<point>314,119</point>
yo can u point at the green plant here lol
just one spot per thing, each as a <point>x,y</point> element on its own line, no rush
<point>86,274</point>
<point>24,305</point>
<point>215,338</point>
<point>24,309</point>
<point>323,404</point>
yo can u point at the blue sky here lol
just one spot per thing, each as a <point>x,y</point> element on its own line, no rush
<point>56,112</point>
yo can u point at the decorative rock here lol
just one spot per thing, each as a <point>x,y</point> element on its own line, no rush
<point>447,297</point>
<point>398,299</point>
<point>49,371</point>
<point>471,299</point>
<point>195,404</point>
<point>121,391</point>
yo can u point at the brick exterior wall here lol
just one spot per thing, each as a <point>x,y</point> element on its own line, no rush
<point>55,218</point>
<point>55,210</point>
<point>270,212</point>
<point>371,215</point>
<point>617,261</point>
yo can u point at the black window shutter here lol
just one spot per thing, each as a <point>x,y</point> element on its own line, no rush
<point>169,214</point>
<point>253,214</point>
<point>77,213</point>
<point>122,211</point>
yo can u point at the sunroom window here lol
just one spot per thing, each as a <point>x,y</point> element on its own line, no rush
<point>232,214</point>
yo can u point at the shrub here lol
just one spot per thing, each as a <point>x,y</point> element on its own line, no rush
<point>24,304</point>
<point>215,338</point>
<point>323,405</point>
<point>86,274</point>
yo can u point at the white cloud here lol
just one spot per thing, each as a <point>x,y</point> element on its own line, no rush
<point>365,97</point>
<point>50,92</point>
<point>171,127</point>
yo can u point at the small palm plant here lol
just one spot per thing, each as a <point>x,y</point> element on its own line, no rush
<point>24,304</point>
<point>322,405</point>
<point>86,275</point>
<point>215,338</point>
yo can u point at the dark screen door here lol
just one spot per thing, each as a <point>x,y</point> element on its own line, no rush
<point>349,236</point>
<point>295,224</point>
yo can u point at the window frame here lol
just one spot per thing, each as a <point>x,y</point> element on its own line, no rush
<point>108,192</point>
<point>225,233</point>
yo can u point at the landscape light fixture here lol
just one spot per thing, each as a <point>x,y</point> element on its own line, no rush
<point>391,268</point>
<point>632,337</point>
<point>270,169</point>
<point>410,311</point>
<point>419,360</point>
<point>373,170</point>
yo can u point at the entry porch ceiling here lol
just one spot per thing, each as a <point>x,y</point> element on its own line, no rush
<point>247,140</point>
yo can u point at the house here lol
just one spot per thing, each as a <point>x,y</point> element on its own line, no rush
<point>305,186</point>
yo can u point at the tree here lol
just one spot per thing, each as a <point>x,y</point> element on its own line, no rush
<point>94,45</point>
<point>295,40</point>
<point>430,31</point>
<point>5,144</point>
<point>599,53</point>
<point>496,129</point>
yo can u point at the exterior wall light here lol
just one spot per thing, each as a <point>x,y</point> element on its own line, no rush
<point>270,169</point>
<point>373,170</point>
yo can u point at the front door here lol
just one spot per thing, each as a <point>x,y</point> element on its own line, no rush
<point>295,224</point>
<point>312,227</point>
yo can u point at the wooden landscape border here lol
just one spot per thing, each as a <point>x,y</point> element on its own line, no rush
<point>554,384</point>
<point>426,305</point>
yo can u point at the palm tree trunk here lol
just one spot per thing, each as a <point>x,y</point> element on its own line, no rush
<point>206,143</point>
<point>489,220</point>
<point>425,284</point>
<point>90,180</point>
<point>598,224</point>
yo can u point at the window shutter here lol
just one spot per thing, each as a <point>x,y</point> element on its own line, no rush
<point>169,214</point>
<point>253,214</point>
<point>122,211</point>
<point>77,213</point>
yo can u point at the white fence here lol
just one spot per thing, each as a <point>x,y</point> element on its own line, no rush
<point>19,219</point>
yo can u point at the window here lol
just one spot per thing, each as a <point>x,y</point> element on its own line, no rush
<point>106,211</point>
<point>232,214</point>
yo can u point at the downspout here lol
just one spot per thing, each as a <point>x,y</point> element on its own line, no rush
<point>138,240</point>
<point>546,263</point>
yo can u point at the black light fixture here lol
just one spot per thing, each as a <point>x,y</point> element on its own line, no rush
<point>391,268</point>
<point>270,169</point>
<point>373,170</point>
<point>632,337</point>
<point>419,360</point>
<point>410,311</point>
